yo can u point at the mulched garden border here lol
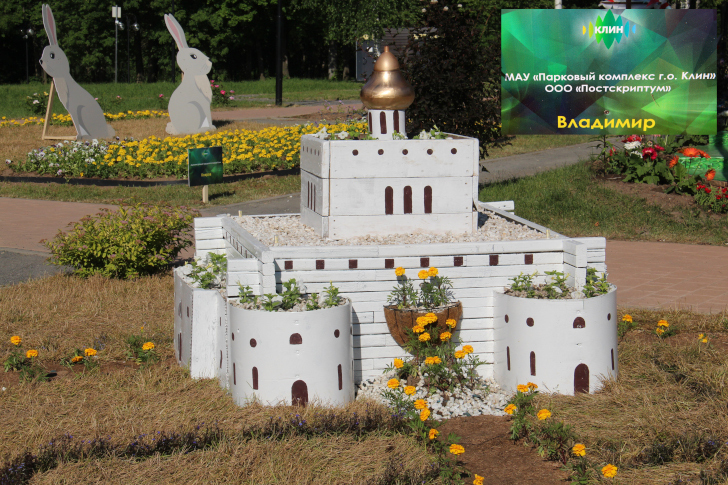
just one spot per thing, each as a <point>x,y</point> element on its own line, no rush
<point>140,183</point>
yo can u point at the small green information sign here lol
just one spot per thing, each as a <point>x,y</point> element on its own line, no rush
<point>204,166</point>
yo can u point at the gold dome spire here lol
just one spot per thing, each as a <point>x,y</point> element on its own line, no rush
<point>387,88</point>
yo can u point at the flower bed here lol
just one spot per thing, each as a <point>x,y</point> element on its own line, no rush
<point>244,151</point>
<point>65,119</point>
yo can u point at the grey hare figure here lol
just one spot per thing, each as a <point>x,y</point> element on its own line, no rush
<point>189,105</point>
<point>84,110</point>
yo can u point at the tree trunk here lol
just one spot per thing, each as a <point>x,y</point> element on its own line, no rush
<point>332,60</point>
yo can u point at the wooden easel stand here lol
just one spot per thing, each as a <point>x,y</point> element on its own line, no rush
<point>49,109</point>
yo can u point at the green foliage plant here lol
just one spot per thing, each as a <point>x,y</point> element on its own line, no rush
<point>141,350</point>
<point>270,304</point>
<point>37,103</point>
<point>711,198</point>
<point>456,73</point>
<point>81,357</point>
<point>24,363</point>
<point>556,287</point>
<point>210,272</point>
<point>434,291</point>
<point>332,296</point>
<point>595,285</point>
<point>135,240</point>
<point>246,295</point>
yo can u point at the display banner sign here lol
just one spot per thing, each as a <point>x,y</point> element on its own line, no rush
<point>204,166</point>
<point>603,72</point>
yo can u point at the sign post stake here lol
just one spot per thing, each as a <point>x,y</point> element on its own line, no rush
<point>205,194</point>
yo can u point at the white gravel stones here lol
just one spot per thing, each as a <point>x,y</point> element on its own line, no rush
<point>484,398</point>
<point>289,231</point>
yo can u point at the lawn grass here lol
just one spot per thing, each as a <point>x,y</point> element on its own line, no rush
<point>518,144</point>
<point>664,418</point>
<point>354,444</point>
<point>146,95</point>
<point>569,201</point>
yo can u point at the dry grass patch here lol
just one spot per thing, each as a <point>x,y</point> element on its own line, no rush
<point>665,417</point>
<point>58,314</point>
<point>321,460</point>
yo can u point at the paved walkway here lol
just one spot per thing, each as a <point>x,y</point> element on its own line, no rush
<point>650,275</point>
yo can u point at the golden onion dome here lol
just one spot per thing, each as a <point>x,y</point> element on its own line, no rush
<point>387,88</point>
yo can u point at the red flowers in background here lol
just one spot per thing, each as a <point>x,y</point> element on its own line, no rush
<point>632,138</point>
<point>649,152</point>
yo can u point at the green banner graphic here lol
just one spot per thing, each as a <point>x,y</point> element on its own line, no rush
<point>204,166</point>
<point>596,72</point>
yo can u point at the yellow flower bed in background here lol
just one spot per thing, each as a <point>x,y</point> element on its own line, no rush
<point>65,119</point>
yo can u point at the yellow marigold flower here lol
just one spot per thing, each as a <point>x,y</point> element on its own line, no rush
<point>423,274</point>
<point>399,271</point>
<point>76,359</point>
<point>663,323</point>
<point>627,318</point>
<point>393,383</point>
<point>432,271</point>
<point>431,318</point>
<point>31,353</point>
<point>148,346</point>
<point>409,390</point>
<point>609,471</point>
<point>418,329</point>
<point>424,337</point>
<point>543,414</point>
<point>424,414</point>
<point>451,323</point>
<point>510,409</point>
<point>433,433</point>
<point>90,352</point>
<point>398,363</point>
<point>522,388</point>
<point>420,404</point>
<point>435,360</point>
<point>421,321</point>
<point>456,449</point>
<point>531,386</point>
<point>459,354</point>
<point>702,335</point>
<point>705,340</point>
<point>468,349</point>
<point>15,340</point>
<point>659,331</point>
<point>579,450</point>
<point>445,336</point>
<point>478,480</point>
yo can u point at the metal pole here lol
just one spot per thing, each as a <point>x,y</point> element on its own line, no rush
<point>279,57</point>
<point>116,50</point>
<point>27,77</point>
<point>128,59</point>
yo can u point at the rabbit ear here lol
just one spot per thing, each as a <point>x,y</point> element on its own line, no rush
<point>176,30</point>
<point>50,24</point>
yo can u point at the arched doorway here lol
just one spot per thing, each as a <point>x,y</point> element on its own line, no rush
<point>299,393</point>
<point>581,378</point>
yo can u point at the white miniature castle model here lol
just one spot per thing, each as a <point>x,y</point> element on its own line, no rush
<point>352,188</point>
<point>387,186</point>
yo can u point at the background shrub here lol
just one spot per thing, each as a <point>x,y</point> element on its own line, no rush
<point>455,73</point>
<point>133,241</point>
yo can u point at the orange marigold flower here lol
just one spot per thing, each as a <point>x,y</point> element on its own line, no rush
<point>424,337</point>
<point>627,318</point>
<point>579,450</point>
<point>420,404</point>
<point>418,329</point>
<point>421,320</point>
<point>609,471</point>
<point>663,323</point>
<point>531,386</point>
<point>468,349</point>
<point>424,414</point>
<point>445,336</point>
<point>659,331</point>
<point>409,390</point>
<point>15,340</point>
<point>90,352</point>
<point>456,449</point>
<point>522,388</point>
<point>432,271</point>
<point>459,354</point>
<point>76,359</point>
<point>31,353</point>
<point>393,383</point>
<point>433,433</point>
<point>399,271</point>
<point>478,480</point>
<point>398,363</point>
<point>710,174</point>
<point>423,274</point>
<point>431,318</point>
<point>510,409</point>
<point>543,414</point>
<point>451,323</point>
